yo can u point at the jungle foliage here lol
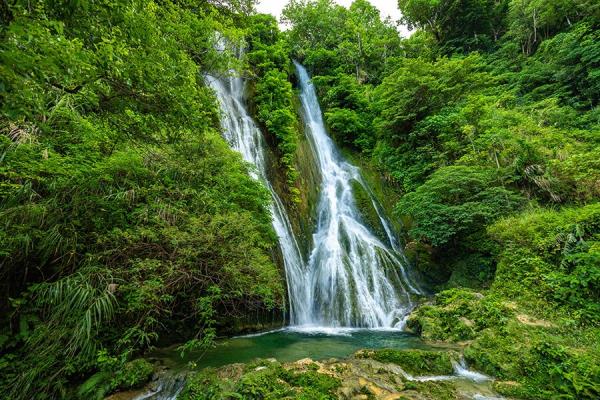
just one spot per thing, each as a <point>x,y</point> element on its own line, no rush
<point>125,219</point>
<point>486,122</point>
<point>269,59</point>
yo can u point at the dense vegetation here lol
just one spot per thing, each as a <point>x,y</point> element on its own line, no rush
<point>127,222</point>
<point>486,123</point>
<point>269,59</point>
<point>125,218</point>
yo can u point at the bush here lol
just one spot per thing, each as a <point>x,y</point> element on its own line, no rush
<point>455,202</point>
<point>133,375</point>
<point>555,255</point>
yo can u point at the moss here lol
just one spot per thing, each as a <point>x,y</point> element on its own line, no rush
<point>430,391</point>
<point>512,389</point>
<point>261,380</point>
<point>204,385</point>
<point>542,358</point>
<point>263,383</point>
<point>313,382</point>
<point>458,315</point>
<point>416,362</point>
<point>367,211</point>
<point>303,212</point>
<point>540,362</point>
<point>382,188</point>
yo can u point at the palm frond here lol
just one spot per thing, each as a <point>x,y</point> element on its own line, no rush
<point>77,306</point>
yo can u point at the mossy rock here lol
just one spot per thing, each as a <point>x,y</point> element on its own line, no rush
<point>508,388</point>
<point>368,213</point>
<point>204,385</point>
<point>432,323</point>
<point>413,361</point>
<point>430,391</point>
<point>261,379</point>
<point>459,315</point>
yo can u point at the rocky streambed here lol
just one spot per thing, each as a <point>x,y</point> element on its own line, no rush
<point>367,374</point>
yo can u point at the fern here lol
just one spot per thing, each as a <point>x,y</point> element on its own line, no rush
<point>78,306</point>
<point>96,387</point>
<point>74,309</point>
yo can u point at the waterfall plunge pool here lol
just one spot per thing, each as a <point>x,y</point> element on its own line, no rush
<point>295,343</point>
<point>291,344</point>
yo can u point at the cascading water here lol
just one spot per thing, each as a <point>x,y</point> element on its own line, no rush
<point>354,278</point>
<point>244,136</point>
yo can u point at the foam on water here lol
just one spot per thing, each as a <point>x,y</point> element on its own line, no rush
<point>461,369</point>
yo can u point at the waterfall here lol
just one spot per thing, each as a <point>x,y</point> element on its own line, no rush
<point>355,279</point>
<point>352,278</point>
<point>244,136</point>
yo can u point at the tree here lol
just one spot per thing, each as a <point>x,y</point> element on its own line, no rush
<point>455,202</point>
<point>462,24</point>
<point>530,22</point>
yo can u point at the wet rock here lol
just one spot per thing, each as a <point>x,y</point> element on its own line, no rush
<point>360,377</point>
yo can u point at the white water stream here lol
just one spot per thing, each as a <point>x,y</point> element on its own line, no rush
<point>355,279</point>
<point>352,278</point>
<point>244,136</point>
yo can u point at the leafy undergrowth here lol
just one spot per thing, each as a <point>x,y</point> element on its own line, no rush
<point>125,219</point>
<point>132,375</point>
<point>261,380</point>
<point>537,328</point>
<point>533,358</point>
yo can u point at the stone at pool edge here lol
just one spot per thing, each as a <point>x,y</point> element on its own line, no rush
<point>415,361</point>
<point>363,375</point>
